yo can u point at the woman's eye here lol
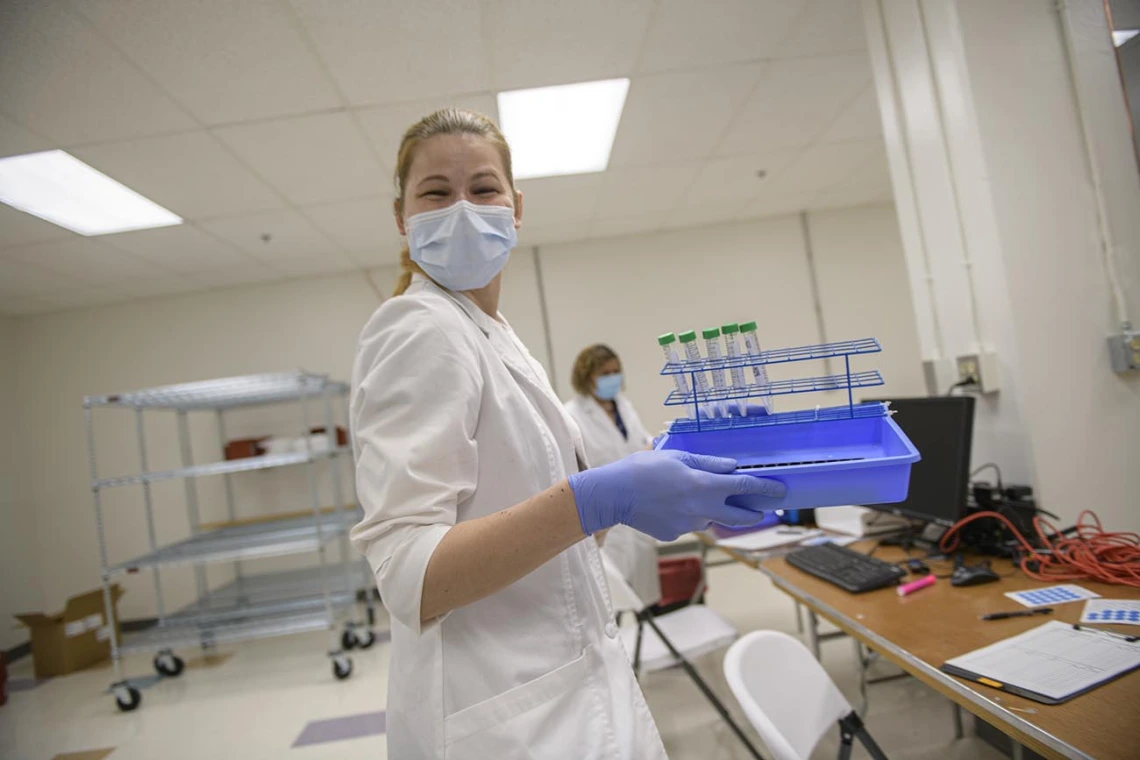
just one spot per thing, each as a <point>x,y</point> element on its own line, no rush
<point>486,191</point>
<point>434,194</point>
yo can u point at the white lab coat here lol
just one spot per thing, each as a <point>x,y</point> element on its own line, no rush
<point>452,419</point>
<point>633,553</point>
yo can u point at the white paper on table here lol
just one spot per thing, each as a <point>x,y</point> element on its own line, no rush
<point>1051,596</point>
<point>1053,659</point>
<point>1120,611</point>
<point>770,538</point>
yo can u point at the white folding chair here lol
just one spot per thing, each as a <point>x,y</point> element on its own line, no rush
<point>673,637</point>
<point>789,698</point>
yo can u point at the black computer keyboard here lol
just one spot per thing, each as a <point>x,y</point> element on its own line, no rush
<point>845,568</point>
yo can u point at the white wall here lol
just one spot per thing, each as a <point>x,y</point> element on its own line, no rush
<point>624,291</point>
<point>19,576</point>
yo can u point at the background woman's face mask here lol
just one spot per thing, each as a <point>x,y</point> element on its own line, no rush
<point>463,246</point>
<point>606,387</point>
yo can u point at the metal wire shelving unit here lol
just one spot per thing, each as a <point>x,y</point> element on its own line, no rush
<point>251,606</point>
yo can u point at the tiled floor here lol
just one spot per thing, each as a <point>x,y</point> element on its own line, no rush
<point>277,699</point>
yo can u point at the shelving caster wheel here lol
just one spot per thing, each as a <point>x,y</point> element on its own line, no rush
<point>168,664</point>
<point>355,637</point>
<point>342,666</point>
<point>127,697</point>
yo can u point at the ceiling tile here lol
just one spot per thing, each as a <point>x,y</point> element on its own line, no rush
<point>183,249</point>
<point>859,121</point>
<point>18,228</point>
<point>309,159</point>
<point>384,256</point>
<point>733,181</point>
<point>778,205</point>
<point>361,225</point>
<point>553,200</point>
<point>627,225</point>
<point>795,101</point>
<point>686,215</point>
<point>224,61</point>
<point>15,140</point>
<point>234,276</point>
<point>643,190</point>
<point>385,125</point>
<point>89,260</point>
<point>684,33</point>
<point>534,44</point>
<point>149,288</point>
<point>20,307</point>
<point>821,166</point>
<point>22,280</point>
<point>66,83</point>
<point>333,262</point>
<point>392,52</point>
<point>192,174</point>
<point>680,115</point>
<point>825,27</point>
<point>545,234</point>
<point>291,236</point>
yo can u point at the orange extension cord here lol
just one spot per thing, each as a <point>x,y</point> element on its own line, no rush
<point>1094,554</point>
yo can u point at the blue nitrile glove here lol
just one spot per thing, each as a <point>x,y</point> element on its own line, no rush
<point>667,493</point>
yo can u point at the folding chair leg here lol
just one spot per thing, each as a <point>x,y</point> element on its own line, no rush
<point>637,647</point>
<point>959,730</point>
<point>851,726</point>
<point>704,687</point>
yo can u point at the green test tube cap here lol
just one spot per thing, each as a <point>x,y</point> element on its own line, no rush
<point>747,326</point>
<point>730,328</point>
<point>666,339</point>
<point>710,332</point>
<point>688,336</point>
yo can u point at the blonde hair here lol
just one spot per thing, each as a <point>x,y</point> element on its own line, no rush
<point>587,364</point>
<point>446,121</point>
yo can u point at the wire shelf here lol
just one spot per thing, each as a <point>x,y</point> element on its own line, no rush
<point>265,462</point>
<point>269,594</point>
<point>867,379</point>
<point>156,638</point>
<point>224,393</point>
<point>822,414</point>
<point>272,539</point>
<point>778,356</point>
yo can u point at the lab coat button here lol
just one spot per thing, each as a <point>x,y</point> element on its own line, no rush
<point>611,629</point>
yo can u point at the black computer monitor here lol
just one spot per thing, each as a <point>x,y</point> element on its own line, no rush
<point>942,430</point>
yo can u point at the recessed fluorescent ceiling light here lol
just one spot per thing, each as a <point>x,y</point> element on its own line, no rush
<point>1120,37</point>
<point>568,129</point>
<point>61,189</point>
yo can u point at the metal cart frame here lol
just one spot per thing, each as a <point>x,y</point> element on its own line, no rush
<point>249,607</point>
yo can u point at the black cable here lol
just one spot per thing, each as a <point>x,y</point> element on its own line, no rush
<point>997,470</point>
<point>961,384</point>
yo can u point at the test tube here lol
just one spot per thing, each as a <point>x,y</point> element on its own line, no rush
<point>732,351</point>
<point>712,351</point>
<point>692,353</point>
<point>752,348</point>
<point>668,348</point>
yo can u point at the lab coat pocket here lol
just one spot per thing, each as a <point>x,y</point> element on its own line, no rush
<point>522,721</point>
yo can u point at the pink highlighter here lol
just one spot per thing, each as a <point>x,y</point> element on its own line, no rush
<point>910,588</point>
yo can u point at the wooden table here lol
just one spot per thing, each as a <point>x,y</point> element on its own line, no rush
<point>921,631</point>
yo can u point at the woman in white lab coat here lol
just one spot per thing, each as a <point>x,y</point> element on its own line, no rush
<point>611,430</point>
<point>477,506</point>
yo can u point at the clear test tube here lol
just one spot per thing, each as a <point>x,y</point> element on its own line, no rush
<point>712,351</point>
<point>752,348</point>
<point>668,343</point>
<point>688,339</point>
<point>732,351</point>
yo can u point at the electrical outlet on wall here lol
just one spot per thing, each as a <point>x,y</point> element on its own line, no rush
<point>982,368</point>
<point>1124,350</point>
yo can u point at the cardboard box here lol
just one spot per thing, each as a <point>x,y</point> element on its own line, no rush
<point>73,639</point>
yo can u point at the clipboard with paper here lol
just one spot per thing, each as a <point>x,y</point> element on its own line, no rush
<point>1051,663</point>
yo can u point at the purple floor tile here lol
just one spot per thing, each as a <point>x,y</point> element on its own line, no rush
<point>25,684</point>
<point>339,729</point>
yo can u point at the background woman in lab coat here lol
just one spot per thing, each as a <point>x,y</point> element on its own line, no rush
<point>611,430</point>
<point>476,508</point>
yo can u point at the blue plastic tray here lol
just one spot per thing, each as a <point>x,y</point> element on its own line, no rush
<point>829,463</point>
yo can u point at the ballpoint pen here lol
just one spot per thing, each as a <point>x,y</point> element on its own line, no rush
<point>1018,613</point>
<point>1122,636</point>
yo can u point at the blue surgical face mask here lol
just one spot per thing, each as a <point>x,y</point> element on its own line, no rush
<point>606,387</point>
<point>463,246</point>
